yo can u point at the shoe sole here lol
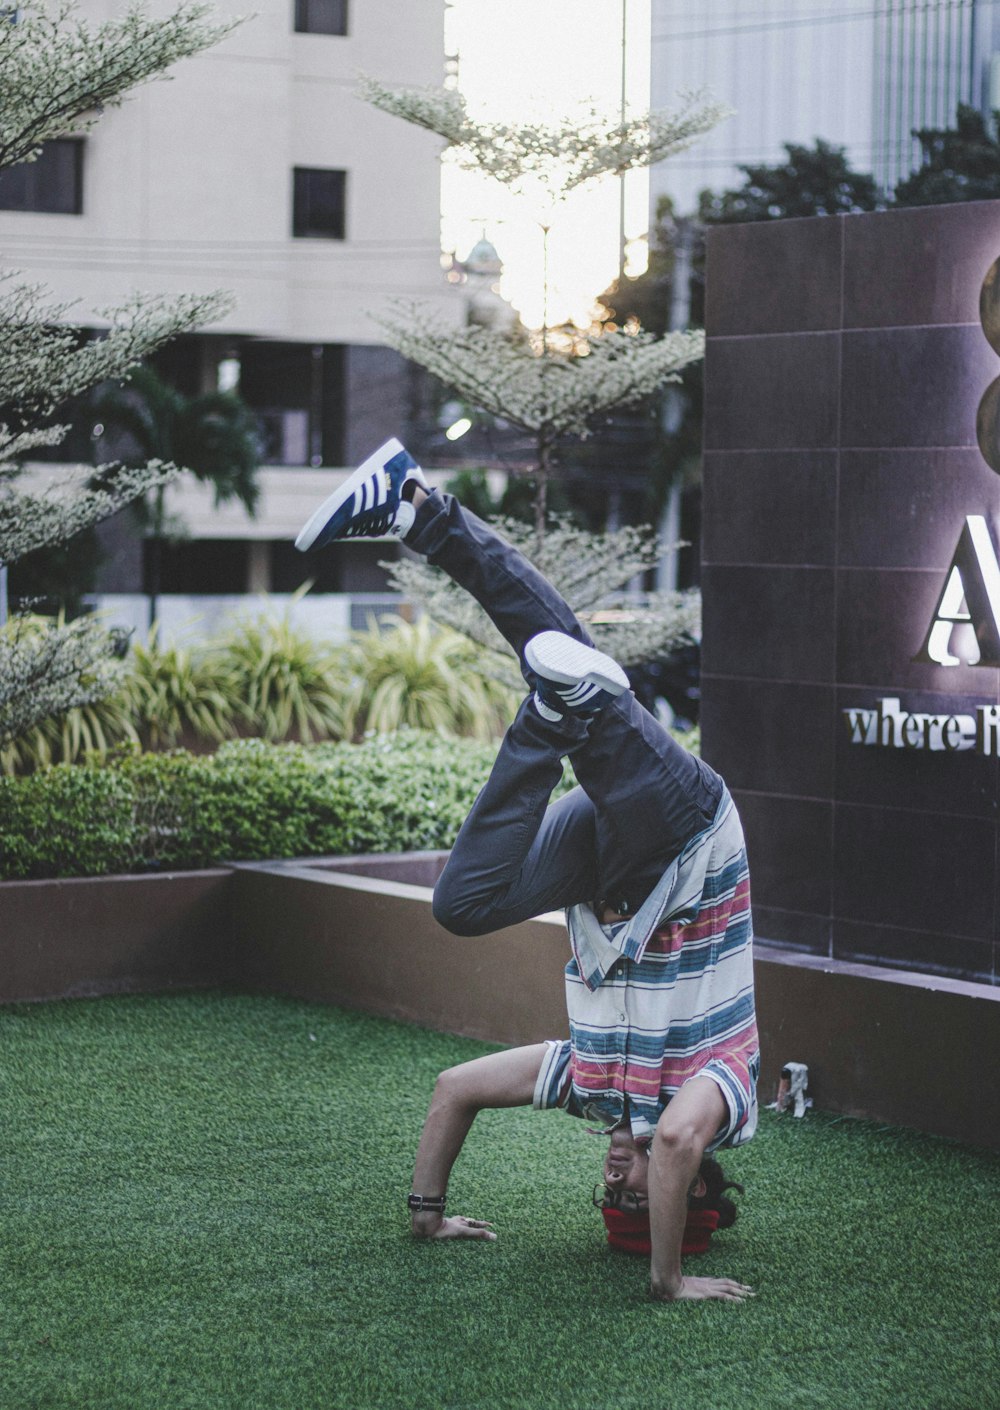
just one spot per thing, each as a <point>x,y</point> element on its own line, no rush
<point>565,661</point>
<point>318,521</point>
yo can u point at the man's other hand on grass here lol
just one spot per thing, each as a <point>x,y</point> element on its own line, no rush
<point>699,1289</point>
<point>457,1226</point>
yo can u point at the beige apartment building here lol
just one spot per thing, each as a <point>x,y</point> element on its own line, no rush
<point>256,169</point>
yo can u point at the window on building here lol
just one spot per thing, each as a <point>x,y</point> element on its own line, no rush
<point>198,567</point>
<point>318,203</point>
<point>297,392</point>
<point>53,184</point>
<point>321,16</point>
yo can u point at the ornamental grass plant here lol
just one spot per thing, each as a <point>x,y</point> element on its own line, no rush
<point>271,681</point>
<point>173,693</point>
<point>281,681</point>
<point>204,1207</point>
<point>420,676</point>
<point>93,729</point>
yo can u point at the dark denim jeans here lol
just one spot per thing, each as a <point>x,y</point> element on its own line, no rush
<point>641,796</point>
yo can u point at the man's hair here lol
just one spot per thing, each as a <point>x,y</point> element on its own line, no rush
<point>714,1197</point>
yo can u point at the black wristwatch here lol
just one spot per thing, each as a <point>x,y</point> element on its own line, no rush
<point>433,1204</point>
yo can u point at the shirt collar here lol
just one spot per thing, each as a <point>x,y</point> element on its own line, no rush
<point>677,893</point>
<point>595,953</point>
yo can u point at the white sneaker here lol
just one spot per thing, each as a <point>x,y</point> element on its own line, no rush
<point>370,504</point>
<point>571,678</point>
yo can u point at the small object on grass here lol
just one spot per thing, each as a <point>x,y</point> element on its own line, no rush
<point>792,1089</point>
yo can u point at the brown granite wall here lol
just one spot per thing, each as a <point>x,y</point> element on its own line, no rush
<point>847,360</point>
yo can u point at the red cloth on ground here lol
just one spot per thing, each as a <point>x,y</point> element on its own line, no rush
<point>630,1232</point>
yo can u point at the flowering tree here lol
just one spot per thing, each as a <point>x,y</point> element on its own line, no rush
<point>550,392</point>
<point>586,569</point>
<point>555,159</point>
<point>56,77</point>
<point>547,386</point>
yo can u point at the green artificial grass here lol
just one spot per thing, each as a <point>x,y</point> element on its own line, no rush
<point>203,1206</point>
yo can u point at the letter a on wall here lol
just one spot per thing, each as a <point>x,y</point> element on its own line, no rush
<point>971,594</point>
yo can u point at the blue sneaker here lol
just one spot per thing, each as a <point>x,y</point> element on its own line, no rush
<point>370,504</point>
<point>571,678</point>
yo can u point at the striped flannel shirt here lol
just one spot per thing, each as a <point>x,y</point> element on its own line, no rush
<point>665,996</point>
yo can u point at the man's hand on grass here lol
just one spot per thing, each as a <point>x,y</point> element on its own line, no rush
<point>698,1289</point>
<point>682,1135</point>
<point>501,1079</point>
<point>435,1226</point>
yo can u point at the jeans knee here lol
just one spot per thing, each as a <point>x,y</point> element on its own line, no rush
<point>455,915</point>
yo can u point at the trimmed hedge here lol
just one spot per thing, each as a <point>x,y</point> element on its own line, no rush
<point>249,801</point>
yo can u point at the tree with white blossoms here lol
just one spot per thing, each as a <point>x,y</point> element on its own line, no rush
<point>543,162</point>
<point>550,386</point>
<point>551,392</point>
<point>585,568</point>
<point>57,75</point>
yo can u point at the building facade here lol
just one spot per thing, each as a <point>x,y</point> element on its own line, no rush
<point>257,170</point>
<point>859,75</point>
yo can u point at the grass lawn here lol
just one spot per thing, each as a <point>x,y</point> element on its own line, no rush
<point>203,1206</point>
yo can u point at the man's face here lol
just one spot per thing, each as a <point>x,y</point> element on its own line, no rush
<point>626,1165</point>
<point>626,1169</point>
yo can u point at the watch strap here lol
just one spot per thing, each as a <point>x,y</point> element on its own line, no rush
<point>432,1203</point>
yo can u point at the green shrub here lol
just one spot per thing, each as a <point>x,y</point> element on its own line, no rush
<point>249,801</point>
<point>70,820</point>
<point>136,812</point>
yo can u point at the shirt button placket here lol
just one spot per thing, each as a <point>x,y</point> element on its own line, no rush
<point>623,1034</point>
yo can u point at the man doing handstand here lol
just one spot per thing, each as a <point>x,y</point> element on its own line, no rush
<point>646,856</point>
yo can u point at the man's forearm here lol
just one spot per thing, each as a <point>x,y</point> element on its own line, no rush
<point>502,1079</point>
<point>448,1122</point>
<point>682,1134</point>
<point>673,1164</point>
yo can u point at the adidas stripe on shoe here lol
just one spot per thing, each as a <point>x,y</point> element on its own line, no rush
<point>369,504</point>
<point>571,678</point>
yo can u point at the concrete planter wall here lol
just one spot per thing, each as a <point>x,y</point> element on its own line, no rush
<point>116,935</point>
<point>903,1048</point>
